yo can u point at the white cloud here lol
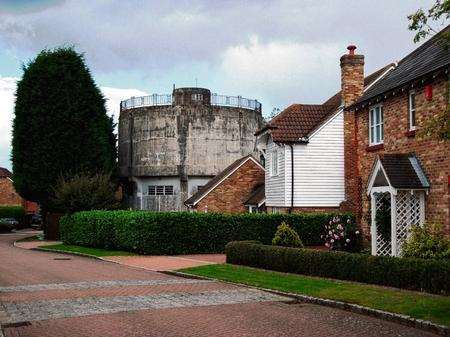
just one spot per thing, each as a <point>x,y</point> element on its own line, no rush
<point>115,95</point>
<point>286,70</point>
<point>7,89</point>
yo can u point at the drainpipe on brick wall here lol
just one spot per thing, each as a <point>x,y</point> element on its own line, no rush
<point>292,178</point>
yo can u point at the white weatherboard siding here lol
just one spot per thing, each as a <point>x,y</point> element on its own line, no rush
<point>275,185</point>
<point>318,167</point>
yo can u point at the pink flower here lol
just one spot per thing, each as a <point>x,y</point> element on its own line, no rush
<point>331,240</point>
<point>327,245</point>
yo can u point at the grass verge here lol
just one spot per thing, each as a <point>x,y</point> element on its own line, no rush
<point>424,306</point>
<point>86,250</point>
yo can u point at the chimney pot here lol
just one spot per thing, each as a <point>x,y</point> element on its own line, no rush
<point>351,49</point>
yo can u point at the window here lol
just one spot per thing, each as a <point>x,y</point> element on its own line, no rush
<point>197,97</point>
<point>160,190</point>
<point>412,110</point>
<point>274,164</point>
<point>376,132</point>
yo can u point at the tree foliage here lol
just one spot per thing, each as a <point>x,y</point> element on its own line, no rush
<point>422,21</point>
<point>84,193</point>
<point>60,126</point>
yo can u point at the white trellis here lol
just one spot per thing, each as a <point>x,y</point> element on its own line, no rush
<point>405,206</point>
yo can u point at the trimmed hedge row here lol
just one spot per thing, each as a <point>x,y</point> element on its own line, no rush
<point>16,212</point>
<point>415,274</point>
<point>182,232</point>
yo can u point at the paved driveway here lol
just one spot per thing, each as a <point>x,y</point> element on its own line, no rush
<point>45,294</point>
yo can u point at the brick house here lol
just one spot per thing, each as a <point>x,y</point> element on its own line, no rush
<point>9,196</point>
<point>313,135</point>
<point>387,163</point>
<point>236,189</point>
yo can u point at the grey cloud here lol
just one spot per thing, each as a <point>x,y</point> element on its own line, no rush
<point>156,35</point>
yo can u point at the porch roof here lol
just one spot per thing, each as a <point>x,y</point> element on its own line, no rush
<point>401,170</point>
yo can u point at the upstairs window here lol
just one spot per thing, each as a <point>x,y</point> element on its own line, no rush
<point>274,163</point>
<point>376,131</point>
<point>160,190</point>
<point>412,110</point>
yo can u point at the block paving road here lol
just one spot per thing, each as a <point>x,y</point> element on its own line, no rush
<point>45,294</point>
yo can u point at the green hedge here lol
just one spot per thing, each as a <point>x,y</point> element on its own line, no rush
<point>182,232</point>
<point>16,212</point>
<point>414,274</point>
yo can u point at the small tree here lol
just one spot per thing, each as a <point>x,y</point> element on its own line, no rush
<point>60,126</point>
<point>287,237</point>
<point>84,193</point>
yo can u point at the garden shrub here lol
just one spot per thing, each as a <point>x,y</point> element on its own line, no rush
<point>287,237</point>
<point>342,235</point>
<point>407,273</point>
<point>84,192</point>
<point>427,242</point>
<point>16,212</point>
<point>183,232</point>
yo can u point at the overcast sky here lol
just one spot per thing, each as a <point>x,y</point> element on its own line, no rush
<point>279,52</point>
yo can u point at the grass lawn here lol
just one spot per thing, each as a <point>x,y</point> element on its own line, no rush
<point>418,305</point>
<point>87,250</point>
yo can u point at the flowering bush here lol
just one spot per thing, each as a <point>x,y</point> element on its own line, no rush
<point>342,234</point>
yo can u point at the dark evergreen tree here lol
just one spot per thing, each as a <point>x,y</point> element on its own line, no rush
<point>60,126</point>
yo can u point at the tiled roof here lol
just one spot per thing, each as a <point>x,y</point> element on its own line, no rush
<point>404,171</point>
<point>257,196</point>
<point>299,120</point>
<point>429,57</point>
<point>215,180</point>
<point>5,173</point>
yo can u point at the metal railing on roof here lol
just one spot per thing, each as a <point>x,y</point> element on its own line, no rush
<point>167,99</point>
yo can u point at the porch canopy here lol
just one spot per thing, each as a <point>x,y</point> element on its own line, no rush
<point>397,188</point>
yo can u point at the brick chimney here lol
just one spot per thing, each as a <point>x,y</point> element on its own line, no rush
<point>352,86</point>
<point>352,76</point>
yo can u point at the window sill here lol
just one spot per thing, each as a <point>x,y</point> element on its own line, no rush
<point>410,133</point>
<point>373,148</point>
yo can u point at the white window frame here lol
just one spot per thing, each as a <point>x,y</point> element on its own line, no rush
<point>159,190</point>
<point>412,110</point>
<point>373,125</point>
<point>274,163</point>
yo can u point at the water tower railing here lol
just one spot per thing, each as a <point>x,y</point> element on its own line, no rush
<point>167,99</point>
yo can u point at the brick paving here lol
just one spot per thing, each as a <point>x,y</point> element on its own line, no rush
<point>41,296</point>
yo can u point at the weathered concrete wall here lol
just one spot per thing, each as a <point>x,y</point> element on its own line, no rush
<point>191,138</point>
<point>185,140</point>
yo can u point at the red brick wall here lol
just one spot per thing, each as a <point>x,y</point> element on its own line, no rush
<point>434,155</point>
<point>8,195</point>
<point>231,194</point>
